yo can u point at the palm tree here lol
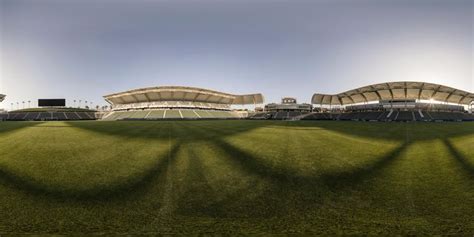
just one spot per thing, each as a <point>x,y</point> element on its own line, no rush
<point>11,105</point>
<point>80,103</point>
<point>29,103</point>
<point>17,105</point>
<point>23,104</point>
<point>74,103</point>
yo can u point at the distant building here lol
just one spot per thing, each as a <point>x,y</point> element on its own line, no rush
<point>288,104</point>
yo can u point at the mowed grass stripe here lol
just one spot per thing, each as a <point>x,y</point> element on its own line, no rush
<point>182,177</point>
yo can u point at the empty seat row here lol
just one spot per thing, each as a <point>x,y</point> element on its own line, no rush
<point>170,114</point>
<point>41,116</point>
<point>416,115</point>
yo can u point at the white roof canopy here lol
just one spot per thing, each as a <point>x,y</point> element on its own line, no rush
<point>396,90</point>
<point>179,93</point>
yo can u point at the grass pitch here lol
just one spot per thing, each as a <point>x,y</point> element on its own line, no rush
<point>233,177</point>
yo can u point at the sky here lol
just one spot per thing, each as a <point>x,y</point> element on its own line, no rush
<point>84,49</point>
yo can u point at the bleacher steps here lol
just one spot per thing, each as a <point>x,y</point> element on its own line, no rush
<point>106,116</point>
<point>396,115</point>
<point>149,112</point>
<point>421,114</point>
<point>389,113</point>
<point>77,115</point>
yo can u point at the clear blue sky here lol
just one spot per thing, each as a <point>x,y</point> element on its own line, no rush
<point>84,49</point>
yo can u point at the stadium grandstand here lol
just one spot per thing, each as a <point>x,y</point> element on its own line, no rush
<point>49,110</point>
<point>177,102</point>
<point>395,101</point>
<point>2,111</point>
<point>287,109</point>
<point>49,114</point>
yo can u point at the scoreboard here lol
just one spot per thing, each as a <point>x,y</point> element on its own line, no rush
<point>52,102</point>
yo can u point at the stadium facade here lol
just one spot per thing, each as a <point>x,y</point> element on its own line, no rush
<point>392,101</point>
<point>288,108</point>
<point>396,91</point>
<point>177,102</point>
<point>395,101</point>
<point>2,97</point>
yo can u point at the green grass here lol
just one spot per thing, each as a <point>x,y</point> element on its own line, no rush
<point>229,177</point>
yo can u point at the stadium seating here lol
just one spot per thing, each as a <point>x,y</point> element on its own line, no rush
<point>155,114</point>
<point>395,115</point>
<point>348,116</point>
<point>258,116</point>
<point>280,115</point>
<point>170,104</point>
<point>420,116</point>
<point>46,116</point>
<point>293,114</point>
<point>317,116</point>
<point>204,114</point>
<point>446,116</point>
<point>189,113</point>
<point>170,114</point>
<point>404,116</point>
<point>467,117</point>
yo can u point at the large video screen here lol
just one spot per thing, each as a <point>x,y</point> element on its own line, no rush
<point>51,102</point>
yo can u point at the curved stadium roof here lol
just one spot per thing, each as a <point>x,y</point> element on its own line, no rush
<point>180,93</point>
<point>2,97</point>
<point>396,90</point>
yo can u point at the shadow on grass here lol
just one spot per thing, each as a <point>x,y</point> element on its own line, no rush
<point>10,126</point>
<point>198,198</point>
<point>161,129</point>
<point>129,187</point>
<point>460,158</point>
<point>253,165</point>
<point>285,190</point>
<point>389,131</point>
<point>367,172</point>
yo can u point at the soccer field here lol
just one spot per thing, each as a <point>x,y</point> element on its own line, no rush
<point>179,177</point>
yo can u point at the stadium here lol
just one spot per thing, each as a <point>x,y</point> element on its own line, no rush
<point>176,102</point>
<point>385,102</point>
<point>396,101</point>
<point>385,159</point>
